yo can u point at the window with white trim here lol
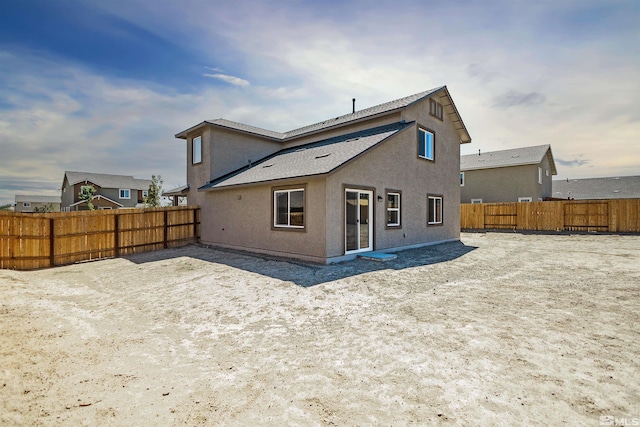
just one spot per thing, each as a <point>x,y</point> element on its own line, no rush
<point>461,179</point>
<point>145,193</point>
<point>26,204</point>
<point>539,175</point>
<point>525,199</point>
<point>288,208</point>
<point>125,193</point>
<point>434,214</point>
<point>393,209</point>
<point>196,149</point>
<point>426,144</point>
<point>476,201</point>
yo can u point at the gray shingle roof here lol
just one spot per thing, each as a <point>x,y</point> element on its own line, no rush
<point>180,191</point>
<point>306,160</point>
<point>623,187</point>
<point>37,199</point>
<point>504,158</point>
<point>108,181</point>
<point>386,107</point>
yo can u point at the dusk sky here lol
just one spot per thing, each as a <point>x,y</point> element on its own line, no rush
<point>103,86</point>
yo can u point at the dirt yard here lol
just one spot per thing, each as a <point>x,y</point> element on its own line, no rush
<point>501,329</point>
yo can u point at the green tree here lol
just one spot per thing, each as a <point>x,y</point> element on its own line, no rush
<point>153,195</point>
<point>86,193</point>
<point>6,207</point>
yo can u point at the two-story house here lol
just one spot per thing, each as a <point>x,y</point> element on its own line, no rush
<point>515,175</point>
<point>112,191</point>
<point>382,178</point>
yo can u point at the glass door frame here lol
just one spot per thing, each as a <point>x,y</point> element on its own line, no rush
<point>359,192</point>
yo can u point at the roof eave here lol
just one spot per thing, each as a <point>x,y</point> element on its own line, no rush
<point>459,125</point>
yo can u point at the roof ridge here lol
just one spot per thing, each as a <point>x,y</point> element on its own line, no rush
<point>384,107</point>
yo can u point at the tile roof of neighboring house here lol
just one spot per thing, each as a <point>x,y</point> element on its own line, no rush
<point>37,199</point>
<point>504,158</point>
<point>622,187</point>
<point>108,181</point>
<point>306,160</point>
<point>384,108</point>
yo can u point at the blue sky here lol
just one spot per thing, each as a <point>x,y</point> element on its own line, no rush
<point>105,85</point>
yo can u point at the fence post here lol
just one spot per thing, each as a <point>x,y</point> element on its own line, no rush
<point>52,246</point>
<point>196,216</point>
<point>116,235</point>
<point>166,229</point>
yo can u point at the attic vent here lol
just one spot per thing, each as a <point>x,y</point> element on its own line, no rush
<point>515,156</point>
<point>323,155</point>
<point>268,166</point>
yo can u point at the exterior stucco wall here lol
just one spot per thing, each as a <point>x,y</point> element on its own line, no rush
<point>222,152</point>
<point>242,218</point>
<point>505,184</point>
<point>55,207</point>
<point>394,165</point>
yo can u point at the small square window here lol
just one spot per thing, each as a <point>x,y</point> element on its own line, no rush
<point>426,142</point>
<point>125,194</point>
<point>288,208</point>
<point>145,193</point>
<point>26,204</point>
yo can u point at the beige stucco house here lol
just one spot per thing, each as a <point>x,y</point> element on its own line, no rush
<point>382,178</point>
<point>35,203</point>
<point>515,175</point>
<point>112,191</point>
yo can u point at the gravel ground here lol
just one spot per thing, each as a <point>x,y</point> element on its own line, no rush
<point>498,329</point>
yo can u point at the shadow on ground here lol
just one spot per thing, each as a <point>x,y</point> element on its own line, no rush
<point>308,274</point>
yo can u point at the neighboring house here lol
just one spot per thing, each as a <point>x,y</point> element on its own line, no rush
<point>31,203</point>
<point>382,178</point>
<point>112,191</point>
<point>620,187</point>
<point>516,175</point>
<point>178,195</point>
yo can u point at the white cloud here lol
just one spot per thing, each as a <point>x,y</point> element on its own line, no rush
<point>236,81</point>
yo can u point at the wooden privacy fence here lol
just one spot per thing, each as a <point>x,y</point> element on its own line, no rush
<point>30,241</point>
<point>614,216</point>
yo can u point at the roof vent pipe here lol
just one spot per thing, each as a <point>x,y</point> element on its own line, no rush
<point>354,105</point>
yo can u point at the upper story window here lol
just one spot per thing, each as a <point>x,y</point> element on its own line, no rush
<point>435,109</point>
<point>125,193</point>
<point>196,147</point>
<point>539,175</point>
<point>434,205</point>
<point>288,208</point>
<point>461,179</point>
<point>393,209</point>
<point>426,142</point>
